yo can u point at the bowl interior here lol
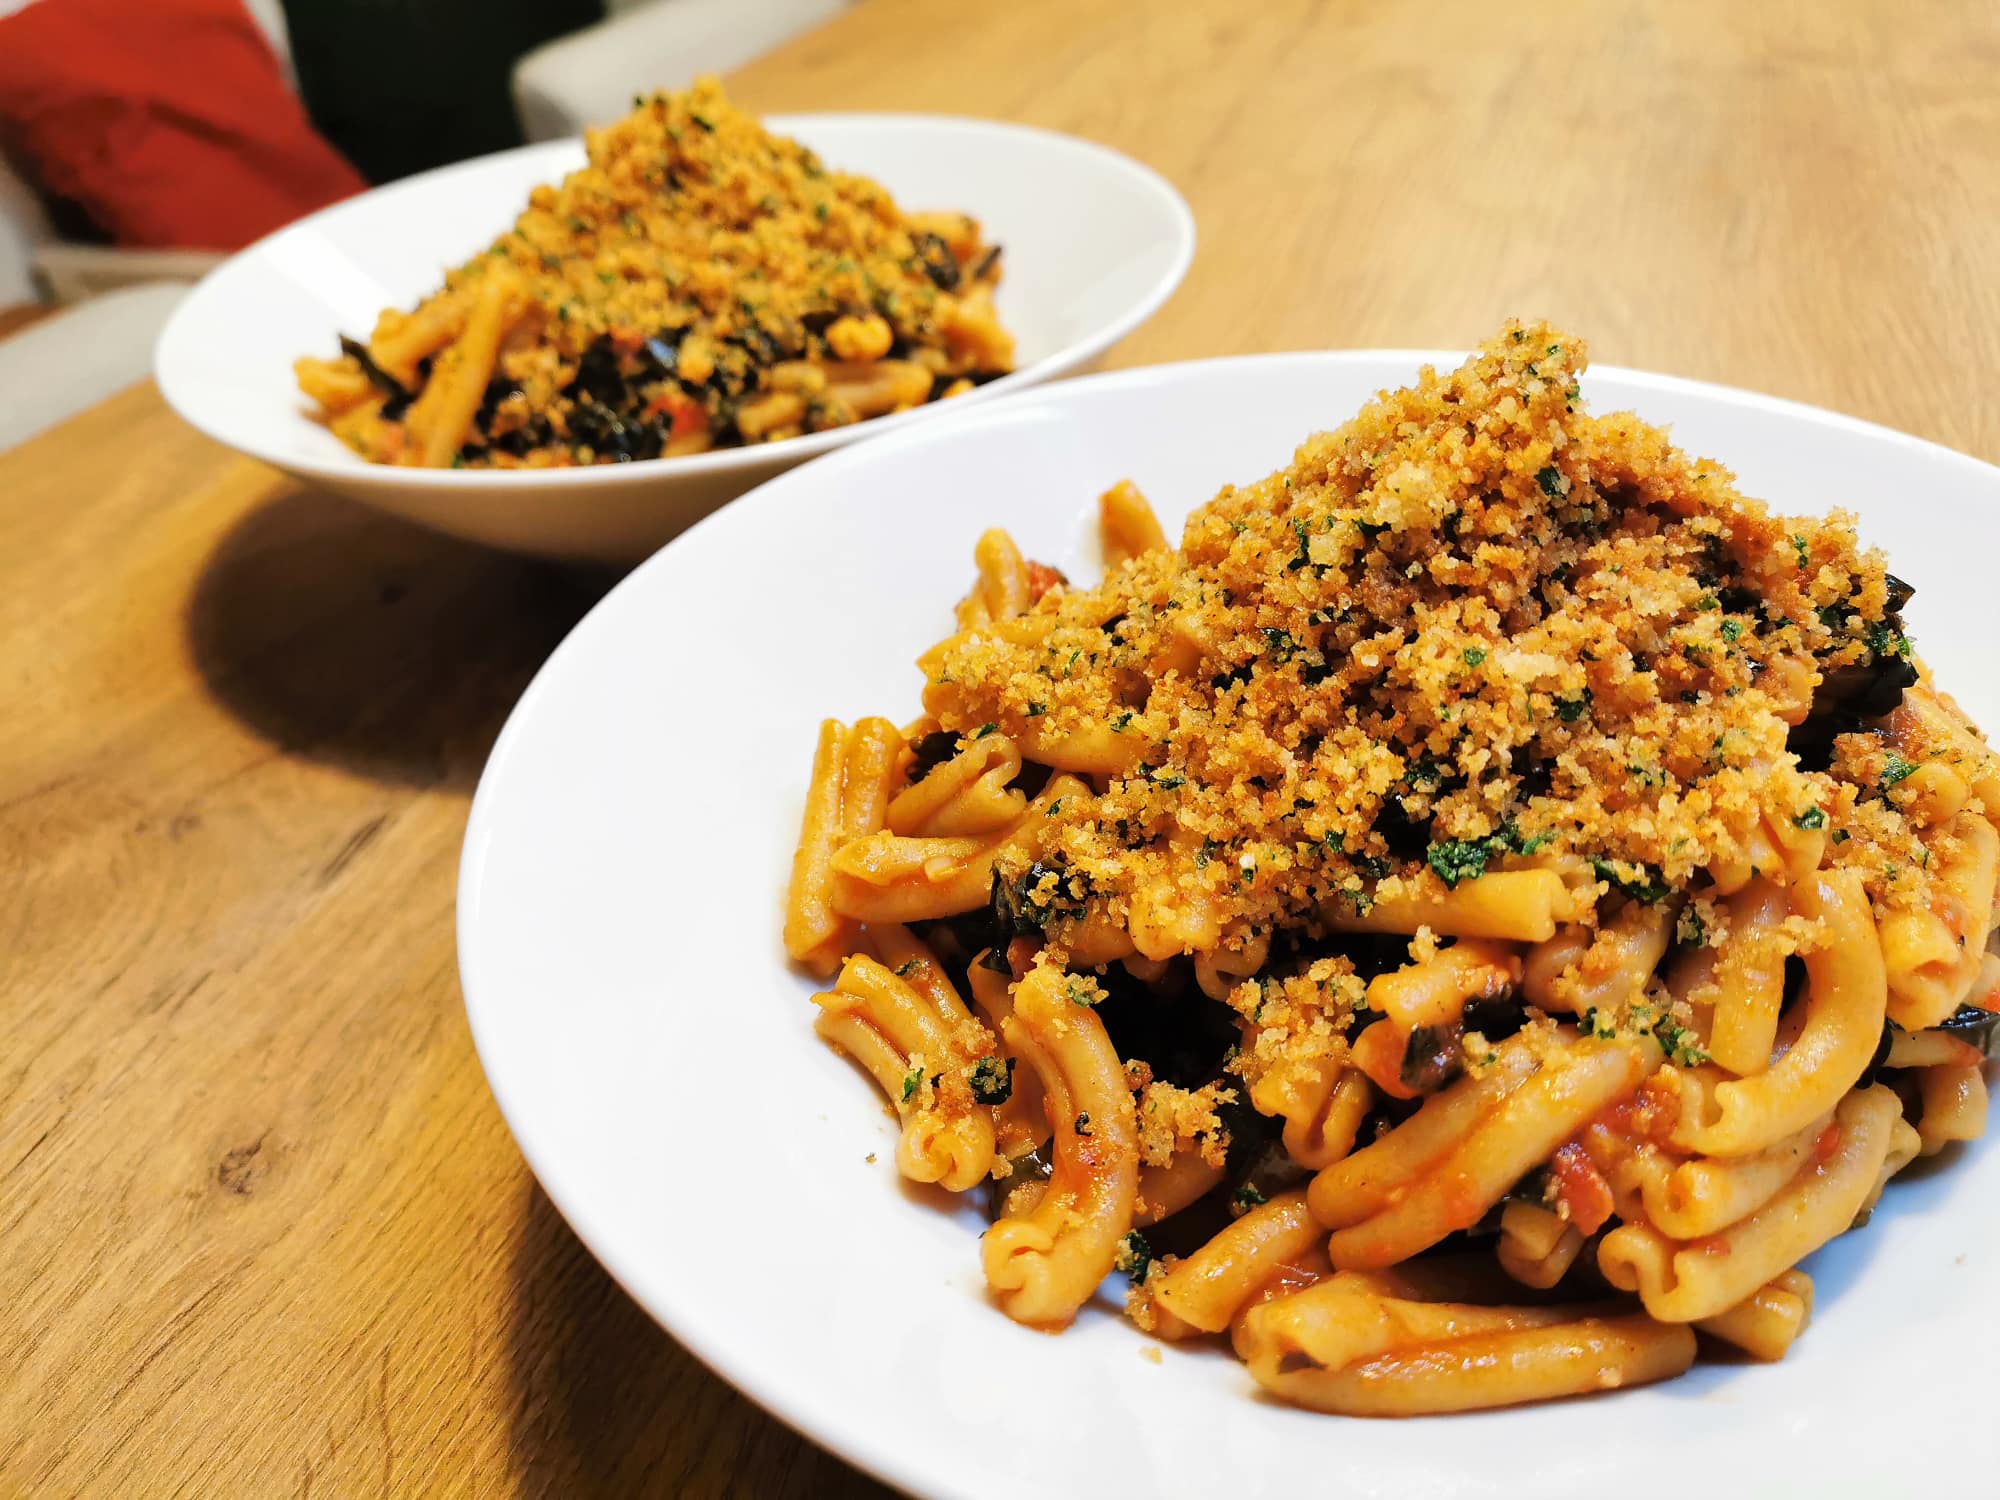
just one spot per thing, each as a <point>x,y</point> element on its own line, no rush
<point>621,895</point>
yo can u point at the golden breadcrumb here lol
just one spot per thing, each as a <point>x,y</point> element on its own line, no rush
<point>1474,623</point>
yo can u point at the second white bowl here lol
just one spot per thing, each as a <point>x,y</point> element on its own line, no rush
<point>1094,244</point>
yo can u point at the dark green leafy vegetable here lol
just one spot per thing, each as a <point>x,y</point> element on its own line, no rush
<point>1022,908</point>
<point>932,751</point>
<point>1979,1027</point>
<point>1431,1058</point>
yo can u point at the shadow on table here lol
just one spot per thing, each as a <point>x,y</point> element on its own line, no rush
<point>357,639</point>
<point>606,1404</point>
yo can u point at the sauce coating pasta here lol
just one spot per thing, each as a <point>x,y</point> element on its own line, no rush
<point>1535,895</point>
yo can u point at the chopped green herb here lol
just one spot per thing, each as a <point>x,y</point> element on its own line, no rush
<point>1118,725</point>
<point>904,971</point>
<point>1303,556</point>
<point>1689,930</point>
<point>1895,769</point>
<point>1135,1258</point>
<point>1885,639</point>
<point>1812,817</point>
<point>992,1080</point>
<point>1680,1044</point>
<point>1474,655</point>
<point>1036,710</point>
<point>912,1081</point>
<point>986,729</point>
<point>1458,859</point>
<point>1569,710</point>
<point>1250,1196</point>
<point>1799,546</point>
<point>1647,887</point>
<point>1732,630</point>
<point>1551,481</point>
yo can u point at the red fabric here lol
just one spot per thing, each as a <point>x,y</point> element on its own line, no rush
<point>168,122</point>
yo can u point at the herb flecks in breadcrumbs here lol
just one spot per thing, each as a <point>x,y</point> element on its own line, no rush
<point>1473,624</point>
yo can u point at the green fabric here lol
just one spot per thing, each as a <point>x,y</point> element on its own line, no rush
<point>403,85</point>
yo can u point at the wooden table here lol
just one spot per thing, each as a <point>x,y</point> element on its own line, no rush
<point>262,1230</point>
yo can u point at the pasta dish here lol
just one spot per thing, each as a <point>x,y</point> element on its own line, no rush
<point>1461,928</point>
<point>700,283</point>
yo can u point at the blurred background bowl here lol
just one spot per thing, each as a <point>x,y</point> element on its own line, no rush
<point>1093,243</point>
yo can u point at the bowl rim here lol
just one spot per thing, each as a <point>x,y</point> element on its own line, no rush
<point>188,317</point>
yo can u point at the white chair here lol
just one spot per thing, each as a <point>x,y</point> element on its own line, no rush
<point>590,76</point>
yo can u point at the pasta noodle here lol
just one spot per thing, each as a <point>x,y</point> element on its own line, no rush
<point>1044,1265</point>
<point>1769,1321</point>
<point>1489,861</point>
<point>700,283</point>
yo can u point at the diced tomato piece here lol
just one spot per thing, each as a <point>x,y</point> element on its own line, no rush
<point>1580,1187</point>
<point>1042,578</point>
<point>1827,1144</point>
<point>688,415</point>
<point>1021,955</point>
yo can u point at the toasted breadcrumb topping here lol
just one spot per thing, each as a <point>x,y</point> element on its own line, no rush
<point>696,263</point>
<point>1474,623</point>
<point>1173,1121</point>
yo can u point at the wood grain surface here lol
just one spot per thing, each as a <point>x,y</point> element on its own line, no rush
<point>262,1230</point>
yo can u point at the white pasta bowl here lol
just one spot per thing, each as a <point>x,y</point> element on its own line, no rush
<point>1094,243</point>
<point>619,910</point>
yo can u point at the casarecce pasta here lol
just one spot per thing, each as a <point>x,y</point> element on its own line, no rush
<point>700,283</point>
<point>1462,927</point>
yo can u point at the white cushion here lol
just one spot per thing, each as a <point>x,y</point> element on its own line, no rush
<point>57,367</point>
<point>23,226</point>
